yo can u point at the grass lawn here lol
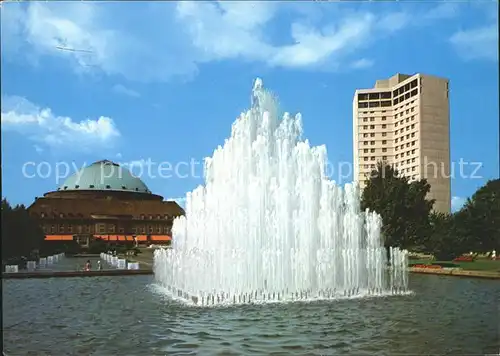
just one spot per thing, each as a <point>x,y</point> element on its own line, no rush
<point>477,265</point>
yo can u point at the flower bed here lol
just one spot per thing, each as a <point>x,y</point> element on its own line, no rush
<point>428,266</point>
<point>464,259</point>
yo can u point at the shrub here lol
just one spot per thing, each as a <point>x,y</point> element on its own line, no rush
<point>445,264</point>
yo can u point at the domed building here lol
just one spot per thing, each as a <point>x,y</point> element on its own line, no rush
<point>105,201</point>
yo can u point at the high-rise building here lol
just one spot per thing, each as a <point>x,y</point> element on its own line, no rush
<point>405,121</point>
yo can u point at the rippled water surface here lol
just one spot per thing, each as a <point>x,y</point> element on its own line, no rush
<point>128,316</point>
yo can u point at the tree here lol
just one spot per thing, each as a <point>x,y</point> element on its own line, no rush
<point>21,234</point>
<point>481,213</point>
<point>409,223</point>
<point>448,236</point>
<point>402,205</point>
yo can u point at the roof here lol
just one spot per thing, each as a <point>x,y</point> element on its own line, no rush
<point>104,175</point>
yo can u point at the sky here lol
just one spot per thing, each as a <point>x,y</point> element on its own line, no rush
<point>162,82</point>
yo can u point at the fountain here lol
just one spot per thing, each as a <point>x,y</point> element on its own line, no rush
<point>270,226</point>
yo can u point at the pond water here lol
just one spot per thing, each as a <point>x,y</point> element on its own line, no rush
<point>129,316</point>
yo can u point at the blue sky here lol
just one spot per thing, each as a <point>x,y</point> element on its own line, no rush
<point>164,81</point>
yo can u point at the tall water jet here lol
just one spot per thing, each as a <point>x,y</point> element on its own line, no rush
<point>268,225</point>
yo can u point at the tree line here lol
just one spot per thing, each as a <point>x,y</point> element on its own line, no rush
<point>21,234</point>
<point>409,221</point>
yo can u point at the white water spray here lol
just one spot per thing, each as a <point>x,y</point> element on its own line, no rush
<point>270,226</point>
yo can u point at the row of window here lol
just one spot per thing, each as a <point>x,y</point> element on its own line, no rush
<point>373,150</point>
<point>92,186</point>
<point>368,168</point>
<point>374,96</point>
<point>103,229</point>
<point>402,138</point>
<point>402,122</point>
<point>384,126</point>
<point>365,135</point>
<point>403,101</point>
<point>151,229</point>
<point>406,153</point>
<point>158,217</point>
<point>375,104</point>
<point>372,158</point>
<point>408,161</point>
<point>70,215</point>
<point>384,150</point>
<point>399,95</point>
<point>405,88</point>
<point>402,147</point>
<point>384,142</point>
<point>402,170</point>
<point>372,127</point>
<point>372,112</point>
<point>384,158</point>
<point>372,143</point>
<point>408,170</point>
<point>408,108</point>
<point>372,119</point>
<point>407,112</point>
<point>407,128</point>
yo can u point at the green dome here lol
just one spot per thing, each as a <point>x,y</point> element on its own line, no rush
<point>104,175</point>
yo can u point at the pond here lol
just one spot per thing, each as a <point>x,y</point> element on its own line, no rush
<point>129,315</point>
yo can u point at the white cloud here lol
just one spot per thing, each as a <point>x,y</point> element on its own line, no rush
<point>457,203</point>
<point>477,43</point>
<point>92,38</point>
<point>45,127</point>
<point>175,38</point>
<point>120,89</point>
<point>362,63</point>
<point>50,34</point>
<point>237,30</point>
<point>394,21</point>
<point>445,10</point>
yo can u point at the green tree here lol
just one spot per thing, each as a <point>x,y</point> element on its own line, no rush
<point>402,205</point>
<point>448,236</point>
<point>21,234</point>
<point>481,213</point>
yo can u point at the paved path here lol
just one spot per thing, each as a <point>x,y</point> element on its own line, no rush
<point>66,274</point>
<point>457,272</point>
<point>145,258</point>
